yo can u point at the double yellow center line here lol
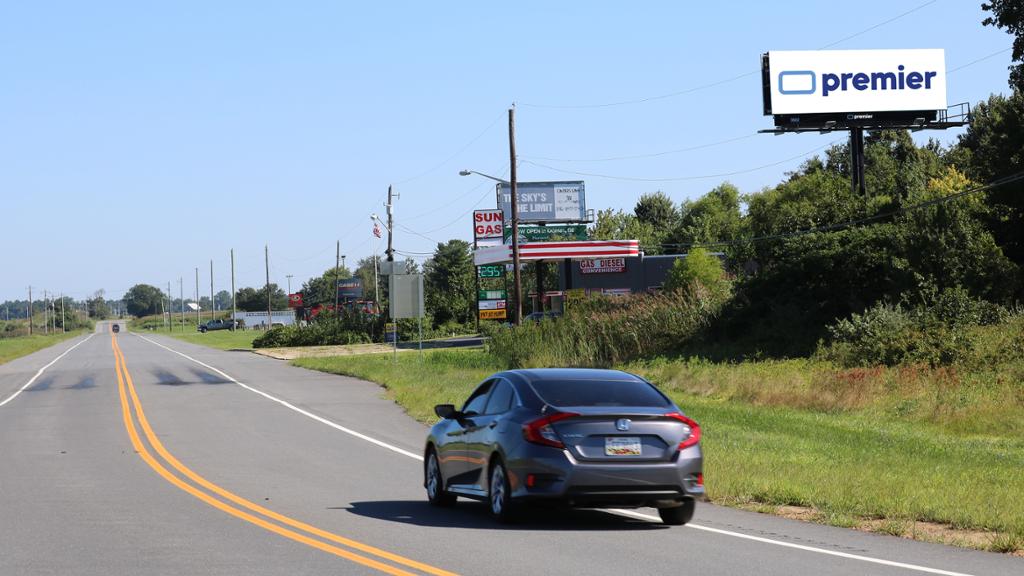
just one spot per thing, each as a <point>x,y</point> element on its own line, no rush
<point>239,507</point>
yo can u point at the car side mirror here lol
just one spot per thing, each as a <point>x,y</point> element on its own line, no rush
<point>446,411</point>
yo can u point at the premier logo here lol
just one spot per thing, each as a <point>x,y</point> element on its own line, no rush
<point>795,82</point>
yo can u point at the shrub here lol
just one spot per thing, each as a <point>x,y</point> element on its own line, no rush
<point>938,332</point>
<point>605,331</point>
<point>326,330</point>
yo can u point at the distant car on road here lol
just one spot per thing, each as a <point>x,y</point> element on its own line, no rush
<point>115,328</point>
<point>217,325</point>
<point>580,437</point>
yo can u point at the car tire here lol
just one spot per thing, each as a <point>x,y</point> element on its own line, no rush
<point>499,494</point>
<point>678,515</point>
<point>433,481</point>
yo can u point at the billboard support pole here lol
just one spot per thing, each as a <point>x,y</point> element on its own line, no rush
<point>857,160</point>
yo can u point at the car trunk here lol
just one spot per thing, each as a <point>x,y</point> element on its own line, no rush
<point>621,434</point>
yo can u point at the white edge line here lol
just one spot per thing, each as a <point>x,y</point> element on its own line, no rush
<point>628,513</point>
<point>632,514</point>
<point>290,406</point>
<point>43,369</point>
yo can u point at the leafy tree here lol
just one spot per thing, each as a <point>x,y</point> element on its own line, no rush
<point>948,245</point>
<point>367,270</point>
<point>698,268</point>
<point>618,225</point>
<point>98,307</point>
<point>321,289</point>
<point>992,148</point>
<point>449,283</point>
<point>714,217</point>
<point>143,300</point>
<point>223,300</point>
<point>1009,14</point>
<point>658,210</point>
<point>255,300</point>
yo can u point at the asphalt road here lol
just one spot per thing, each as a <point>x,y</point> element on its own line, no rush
<point>124,456</point>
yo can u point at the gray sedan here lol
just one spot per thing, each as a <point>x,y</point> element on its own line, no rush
<point>580,437</point>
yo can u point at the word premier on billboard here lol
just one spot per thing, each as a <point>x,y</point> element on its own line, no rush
<point>488,225</point>
<point>545,201</point>
<point>850,81</point>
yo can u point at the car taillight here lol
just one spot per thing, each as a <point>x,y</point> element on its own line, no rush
<point>693,436</point>
<point>540,430</point>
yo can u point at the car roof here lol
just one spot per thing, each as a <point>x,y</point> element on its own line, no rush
<point>535,374</point>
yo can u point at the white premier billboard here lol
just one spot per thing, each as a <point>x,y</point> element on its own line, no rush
<point>838,81</point>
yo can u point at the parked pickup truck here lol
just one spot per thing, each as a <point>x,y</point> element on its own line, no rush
<point>216,325</point>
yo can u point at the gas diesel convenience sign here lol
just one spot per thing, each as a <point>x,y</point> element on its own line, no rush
<point>847,81</point>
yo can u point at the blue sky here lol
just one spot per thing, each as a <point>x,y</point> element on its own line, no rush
<point>139,141</point>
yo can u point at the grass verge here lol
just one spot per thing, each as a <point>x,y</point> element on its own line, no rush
<point>867,463</point>
<point>11,348</point>
<point>220,339</point>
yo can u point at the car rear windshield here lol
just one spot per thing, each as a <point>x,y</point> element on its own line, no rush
<point>599,393</point>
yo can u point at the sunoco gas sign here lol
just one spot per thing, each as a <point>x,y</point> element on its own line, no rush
<point>841,81</point>
<point>487,225</point>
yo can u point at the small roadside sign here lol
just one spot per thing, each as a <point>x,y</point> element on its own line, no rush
<point>491,304</point>
<point>500,314</point>
<point>492,295</point>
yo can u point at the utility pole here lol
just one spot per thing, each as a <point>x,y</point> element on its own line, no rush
<point>391,226</point>
<point>199,310</point>
<point>46,313</point>
<point>266,260</point>
<point>181,300</point>
<point>233,290</point>
<point>170,309</point>
<point>337,274</point>
<point>62,329</point>
<point>213,306</point>
<point>31,312</point>
<point>517,279</point>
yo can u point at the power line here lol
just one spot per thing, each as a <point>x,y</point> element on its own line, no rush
<point>719,82</point>
<point>456,154</point>
<point>684,178</point>
<point>983,58</point>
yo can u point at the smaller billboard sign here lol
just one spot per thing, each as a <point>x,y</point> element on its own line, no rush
<point>499,314</point>
<point>487,224</point>
<point>490,271</point>
<point>602,265</point>
<point>350,288</point>
<point>295,300</point>
<point>491,304</point>
<point>545,201</point>
<point>492,295</point>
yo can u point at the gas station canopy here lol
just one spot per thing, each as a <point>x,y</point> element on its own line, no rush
<point>538,251</point>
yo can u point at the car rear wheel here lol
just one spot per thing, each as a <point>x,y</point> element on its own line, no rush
<point>499,494</point>
<point>434,482</point>
<point>678,515</point>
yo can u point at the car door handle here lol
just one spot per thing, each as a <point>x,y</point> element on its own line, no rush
<point>492,424</point>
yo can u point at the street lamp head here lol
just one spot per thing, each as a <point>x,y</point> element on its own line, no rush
<point>464,172</point>
<point>373,217</point>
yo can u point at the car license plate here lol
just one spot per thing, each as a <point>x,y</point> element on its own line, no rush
<point>622,446</point>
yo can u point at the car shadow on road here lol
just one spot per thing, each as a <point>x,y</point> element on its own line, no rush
<point>467,514</point>
<point>165,378</point>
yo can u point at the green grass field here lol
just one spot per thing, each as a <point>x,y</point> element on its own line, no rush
<point>220,339</point>
<point>851,461</point>
<point>11,348</point>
